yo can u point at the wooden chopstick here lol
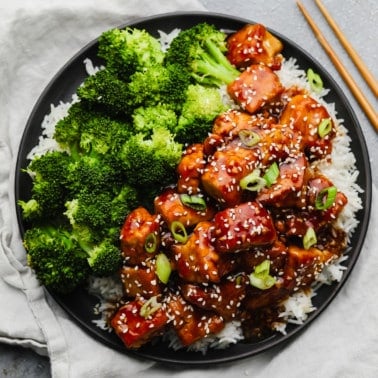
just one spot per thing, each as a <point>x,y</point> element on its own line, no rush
<point>366,74</point>
<point>360,97</point>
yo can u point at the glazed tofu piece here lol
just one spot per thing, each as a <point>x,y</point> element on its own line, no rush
<point>254,44</point>
<point>315,185</point>
<point>171,208</point>
<point>224,298</point>
<point>190,169</point>
<point>224,171</point>
<point>132,325</point>
<point>243,227</point>
<point>288,188</point>
<point>276,254</point>
<point>304,265</point>
<point>197,260</point>
<point>305,114</point>
<point>229,124</point>
<point>136,232</point>
<point>255,87</point>
<point>140,281</point>
<point>192,324</point>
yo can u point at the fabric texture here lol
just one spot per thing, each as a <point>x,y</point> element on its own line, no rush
<point>36,39</point>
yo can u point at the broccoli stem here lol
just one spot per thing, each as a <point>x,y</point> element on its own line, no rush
<point>215,65</point>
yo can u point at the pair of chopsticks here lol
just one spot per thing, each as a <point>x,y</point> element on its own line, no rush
<point>370,80</point>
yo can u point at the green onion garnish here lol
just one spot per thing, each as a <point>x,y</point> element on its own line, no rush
<point>149,307</point>
<point>163,267</point>
<point>325,127</point>
<point>248,137</point>
<point>325,198</point>
<point>150,244</point>
<point>261,278</point>
<point>309,239</point>
<point>195,202</point>
<point>315,81</point>
<point>252,182</point>
<point>271,174</point>
<point>179,232</point>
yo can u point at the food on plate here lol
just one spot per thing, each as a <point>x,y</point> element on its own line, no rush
<point>198,179</point>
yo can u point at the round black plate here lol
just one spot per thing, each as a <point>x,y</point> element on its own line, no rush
<point>80,304</point>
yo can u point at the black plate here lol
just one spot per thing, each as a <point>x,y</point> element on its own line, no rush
<point>80,304</point>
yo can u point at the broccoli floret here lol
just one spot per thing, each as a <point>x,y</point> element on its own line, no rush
<point>202,105</point>
<point>93,172</point>
<point>145,119</point>
<point>48,173</point>
<point>122,204</point>
<point>104,258</point>
<point>85,129</point>
<point>59,262</point>
<point>101,213</point>
<point>200,51</point>
<point>89,209</point>
<point>149,162</point>
<point>128,50</point>
<point>159,84</point>
<point>31,209</point>
<point>105,90</point>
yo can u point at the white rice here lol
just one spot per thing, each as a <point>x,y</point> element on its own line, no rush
<point>342,172</point>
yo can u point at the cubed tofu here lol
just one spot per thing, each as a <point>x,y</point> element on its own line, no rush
<point>197,260</point>
<point>138,227</point>
<point>254,44</point>
<point>140,280</point>
<point>243,227</point>
<point>192,324</point>
<point>255,87</point>
<point>133,328</point>
<point>171,208</point>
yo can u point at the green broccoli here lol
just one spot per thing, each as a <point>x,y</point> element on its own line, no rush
<point>122,204</point>
<point>86,129</point>
<point>105,90</point>
<point>145,119</point>
<point>150,162</point>
<point>48,172</point>
<point>159,84</point>
<point>128,50</point>
<point>201,107</point>
<point>101,213</point>
<point>200,51</point>
<point>104,258</point>
<point>93,172</point>
<point>59,262</point>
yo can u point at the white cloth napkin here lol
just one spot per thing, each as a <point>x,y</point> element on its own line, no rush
<point>36,39</point>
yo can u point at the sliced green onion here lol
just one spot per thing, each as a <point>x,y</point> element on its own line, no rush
<point>315,81</point>
<point>179,232</point>
<point>149,307</point>
<point>262,283</point>
<point>325,127</point>
<point>263,268</point>
<point>271,174</point>
<point>261,278</point>
<point>248,137</point>
<point>325,198</point>
<point>195,202</point>
<point>150,245</point>
<point>163,267</point>
<point>252,182</point>
<point>309,239</point>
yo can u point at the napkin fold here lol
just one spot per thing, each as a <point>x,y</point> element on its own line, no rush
<point>36,39</point>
